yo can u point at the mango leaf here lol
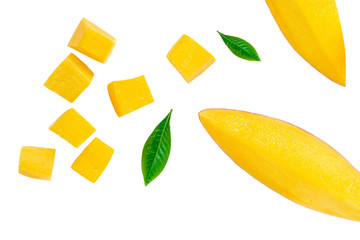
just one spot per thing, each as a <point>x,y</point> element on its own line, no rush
<point>156,150</point>
<point>240,47</point>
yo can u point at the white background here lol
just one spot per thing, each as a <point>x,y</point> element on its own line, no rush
<point>201,194</point>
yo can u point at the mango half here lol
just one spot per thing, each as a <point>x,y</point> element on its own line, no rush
<point>287,159</point>
<point>313,29</point>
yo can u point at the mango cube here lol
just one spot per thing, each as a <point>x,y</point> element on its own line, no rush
<point>189,58</point>
<point>92,41</point>
<point>128,95</point>
<point>93,160</point>
<point>72,127</point>
<point>37,162</point>
<point>70,78</point>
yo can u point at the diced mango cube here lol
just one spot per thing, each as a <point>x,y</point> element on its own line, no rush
<point>128,95</point>
<point>92,41</point>
<point>72,127</point>
<point>37,162</point>
<point>70,78</point>
<point>189,58</point>
<point>93,160</point>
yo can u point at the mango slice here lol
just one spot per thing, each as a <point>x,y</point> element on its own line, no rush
<point>313,29</point>
<point>72,127</point>
<point>288,160</point>
<point>37,162</point>
<point>189,58</point>
<point>92,41</point>
<point>128,95</point>
<point>93,160</point>
<point>70,78</point>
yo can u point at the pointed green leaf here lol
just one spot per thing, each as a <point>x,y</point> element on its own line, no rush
<point>240,47</point>
<point>156,150</point>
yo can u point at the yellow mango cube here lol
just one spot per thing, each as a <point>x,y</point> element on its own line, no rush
<point>189,58</point>
<point>72,127</point>
<point>128,95</point>
<point>70,78</point>
<point>37,162</point>
<point>92,41</point>
<point>93,160</point>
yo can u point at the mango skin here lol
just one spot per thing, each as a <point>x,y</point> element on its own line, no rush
<point>287,159</point>
<point>313,29</point>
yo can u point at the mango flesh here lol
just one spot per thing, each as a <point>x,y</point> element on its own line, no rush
<point>72,127</point>
<point>92,41</point>
<point>189,58</point>
<point>70,78</point>
<point>37,162</point>
<point>313,29</point>
<point>129,95</point>
<point>93,160</point>
<point>288,160</point>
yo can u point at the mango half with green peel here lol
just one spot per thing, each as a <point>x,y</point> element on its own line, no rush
<point>287,159</point>
<point>313,29</point>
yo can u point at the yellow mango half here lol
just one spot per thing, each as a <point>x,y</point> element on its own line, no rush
<point>93,160</point>
<point>128,95</point>
<point>37,162</point>
<point>189,58</point>
<point>288,160</point>
<point>70,78</point>
<point>72,127</point>
<point>92,41</point>
<point>313,29</point>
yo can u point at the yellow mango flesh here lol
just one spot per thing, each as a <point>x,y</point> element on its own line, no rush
<point>37,162</point>
<point>189,58</point>
<point>313,29</point>
<point>72,127</point>
<point>92,41</point>
<point>288,160</point>
<point>93,160</point>
<point>128,95</point>
<point>70,78</point>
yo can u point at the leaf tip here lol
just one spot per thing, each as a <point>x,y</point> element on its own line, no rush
<point>146,180</point>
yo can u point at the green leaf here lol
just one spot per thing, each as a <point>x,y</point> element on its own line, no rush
<point>240,47</point>
<point>156,150</point>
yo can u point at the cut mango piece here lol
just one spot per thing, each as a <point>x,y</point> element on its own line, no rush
<point>70,78</point>
<point>93,160</point>
<point>92,41</point>
<point>37,162</point>
<point>313,29</point>
<point>72,127</point>
<point>189,58</point>
<point>128,95</point>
